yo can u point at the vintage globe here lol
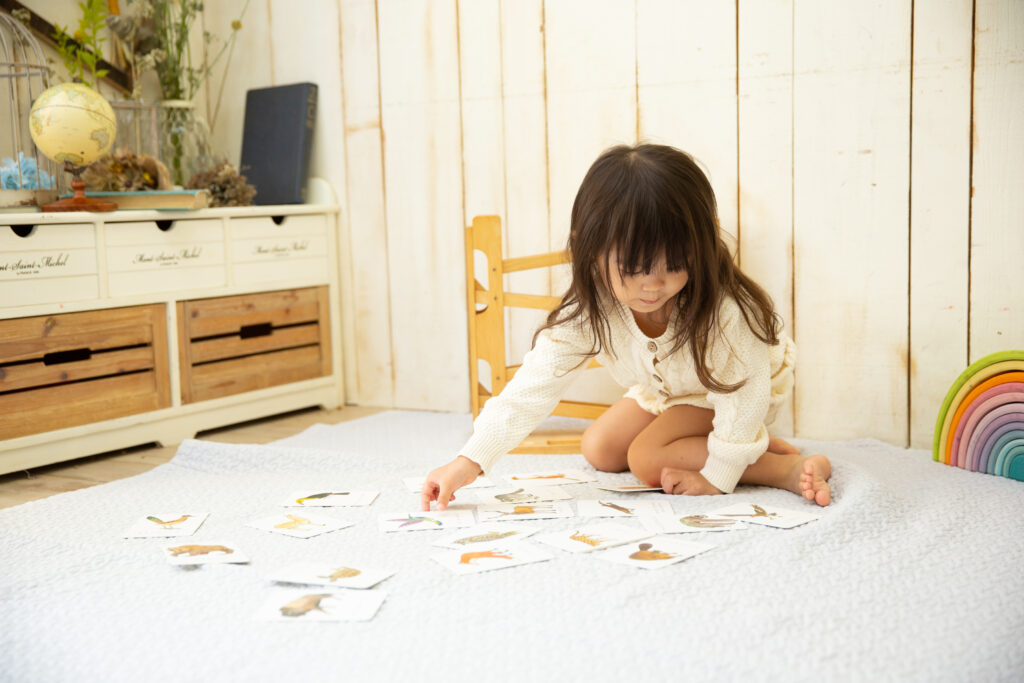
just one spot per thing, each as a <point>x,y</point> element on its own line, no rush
<point>72,122</point>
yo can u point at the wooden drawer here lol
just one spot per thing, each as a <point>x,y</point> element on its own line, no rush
<point>75,368</point>
<point>265,249</point>
<point>156,256</point>
<point>46,264</point>
<point>234,344</point>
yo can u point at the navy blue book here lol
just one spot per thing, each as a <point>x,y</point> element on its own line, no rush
<point>277,140</point>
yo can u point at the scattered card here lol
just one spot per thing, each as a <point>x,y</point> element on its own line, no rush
<point>417,521</point>
<point>485,559</point>
<point>512,511</point>
<point>415,484</point>
<point>300,525</point>
<point>531,494</point>
<point>609,507</point>
<point>627,488</point>
<point>293,605</point>
<point>486,535</point>
<point>551,477</point>
<point>674,523</point>
<point>336,575</point>
<point>329,497</point>
<point>593,537</point>
<point>656,552</point>
<point>766,515</point>
<point>207,552</point>
<point>166,525</point>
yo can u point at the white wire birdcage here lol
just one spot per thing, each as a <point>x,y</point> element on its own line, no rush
<point>28,179</point>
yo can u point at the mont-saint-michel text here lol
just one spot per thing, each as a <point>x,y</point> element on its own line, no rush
<point>281,248</point>
<point>35,266</point>
<point>168,258</point>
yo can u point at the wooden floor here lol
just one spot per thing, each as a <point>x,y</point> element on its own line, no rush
<point>21,487</point>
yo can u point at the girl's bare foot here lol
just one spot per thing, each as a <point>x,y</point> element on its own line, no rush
<point>813,480</point>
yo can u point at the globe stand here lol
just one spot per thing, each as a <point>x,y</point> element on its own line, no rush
<point>79,202</point>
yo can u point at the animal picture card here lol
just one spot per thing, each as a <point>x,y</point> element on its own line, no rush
<point>415,484</point>
<point>590,537</point>
<point>486,535</point>
<point>305,605</point>
<point>207,552</point>
<point>334,574</point>
<point>417,521</point>
<point>639,487</point>
<point>675,523</point>
<point>655,552</point>
<point>329,497</point>
<point>766,515</point>
<point>522,511</point>
<point>470,561</point>
<point>300,524</point>
<point>527,494</point>
<point>551,477</point>
<point>610,507</point>
<point>167,524</point>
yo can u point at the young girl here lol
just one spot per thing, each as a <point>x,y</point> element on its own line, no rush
<point>658,300</point>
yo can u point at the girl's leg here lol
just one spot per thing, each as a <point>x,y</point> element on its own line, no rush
<point>606,441</point>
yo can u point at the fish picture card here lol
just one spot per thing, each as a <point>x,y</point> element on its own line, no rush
<point>300,525</point>
<point>655,552</point>
<point>549,478</point>
<point>207,552</point>
<point>469,561</point>
<point>328,497</point>
<point>417,521</point>
<point>167,524</point>
<point>415,484</point>
<point>766,515</point>
<point>674,523</point>
<point>610,507</point>
<point>336,574</point>
<point>485,535</point>
<point>516,511</point>
<point>305,605</point>
<point>522,494</point>
<point>590,537</point>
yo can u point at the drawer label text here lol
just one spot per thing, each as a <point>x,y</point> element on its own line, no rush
<point>35,266</point>
<point>280,249</point>
<point>164,258</point>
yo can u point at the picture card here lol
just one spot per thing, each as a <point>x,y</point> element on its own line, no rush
<point>329,497</point>
<point>675,523</point>
<point>334,574</point>
<point>550,478</point>
<point>515,512</point>
<point>305,605</point>
<point>415,484</point>
<point>300,524</point>
<point>655,552</point>
<point>472,561</point>
<point>627,488</point>
<point>486,535</point>
<point>522,494</point>
<point>590,537</point>
<point>206,552</point>
<point>612,507</point>
<point>767,515</point>
<point>418,521</point>
<point>167,524</point>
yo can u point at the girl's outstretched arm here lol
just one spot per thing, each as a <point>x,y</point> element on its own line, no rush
<point>440,485</point>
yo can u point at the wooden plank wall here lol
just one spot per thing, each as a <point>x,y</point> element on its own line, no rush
<point>868,160</point>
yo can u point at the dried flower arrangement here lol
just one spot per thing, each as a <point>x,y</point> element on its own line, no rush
<point>227,187</point>
<point>126,171</point>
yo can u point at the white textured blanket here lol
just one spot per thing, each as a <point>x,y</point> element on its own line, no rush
<point>912,574</point>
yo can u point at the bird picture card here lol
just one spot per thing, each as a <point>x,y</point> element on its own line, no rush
<point>470,561</point>
<point>417,521</point>
<point>674,523</point>
<point>415,484</point>
<point>610,507</point>
<point>590,537</point>
<point>655,552</point>
<point>305,605</point>
<point>522,511</point>
<point>166,525</point>
<point>522,494</point>
<point>486,535</point>
<point>334,574</point>
<point>329,497</point>
<point>207,552</point>
<point>300,525</point>
<point>766,515</point>
<point>549,478</point>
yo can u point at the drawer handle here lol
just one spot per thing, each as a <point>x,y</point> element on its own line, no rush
<point>23,230</point>
<point>257,330</point>
<point>58,357</point>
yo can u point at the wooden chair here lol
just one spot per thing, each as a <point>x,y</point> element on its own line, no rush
<point>487,330</point>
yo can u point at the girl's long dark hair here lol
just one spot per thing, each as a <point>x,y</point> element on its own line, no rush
<point>645,202</point>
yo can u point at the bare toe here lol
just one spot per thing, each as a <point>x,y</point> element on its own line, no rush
<point>814,479</point>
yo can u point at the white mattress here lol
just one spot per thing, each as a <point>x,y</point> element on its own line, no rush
<point>911,574</point>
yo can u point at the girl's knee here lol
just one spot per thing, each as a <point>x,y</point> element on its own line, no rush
<point>641,463</point>
<point>601,454</point>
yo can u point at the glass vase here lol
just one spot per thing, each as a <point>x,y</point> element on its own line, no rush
<point>184,140</point>
<point>138,127</point>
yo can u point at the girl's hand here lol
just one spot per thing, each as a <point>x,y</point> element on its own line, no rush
<point>686,483</point>
<point>441,484</point>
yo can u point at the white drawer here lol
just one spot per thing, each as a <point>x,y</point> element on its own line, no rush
<point>50,264</point>
<point>142,258</point>
<point>263,250</point>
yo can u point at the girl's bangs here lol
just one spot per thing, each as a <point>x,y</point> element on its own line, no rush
<point>641,238</point>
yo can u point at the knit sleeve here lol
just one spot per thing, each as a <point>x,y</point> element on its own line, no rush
<point>739,435</point>
<point>533,392</point>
